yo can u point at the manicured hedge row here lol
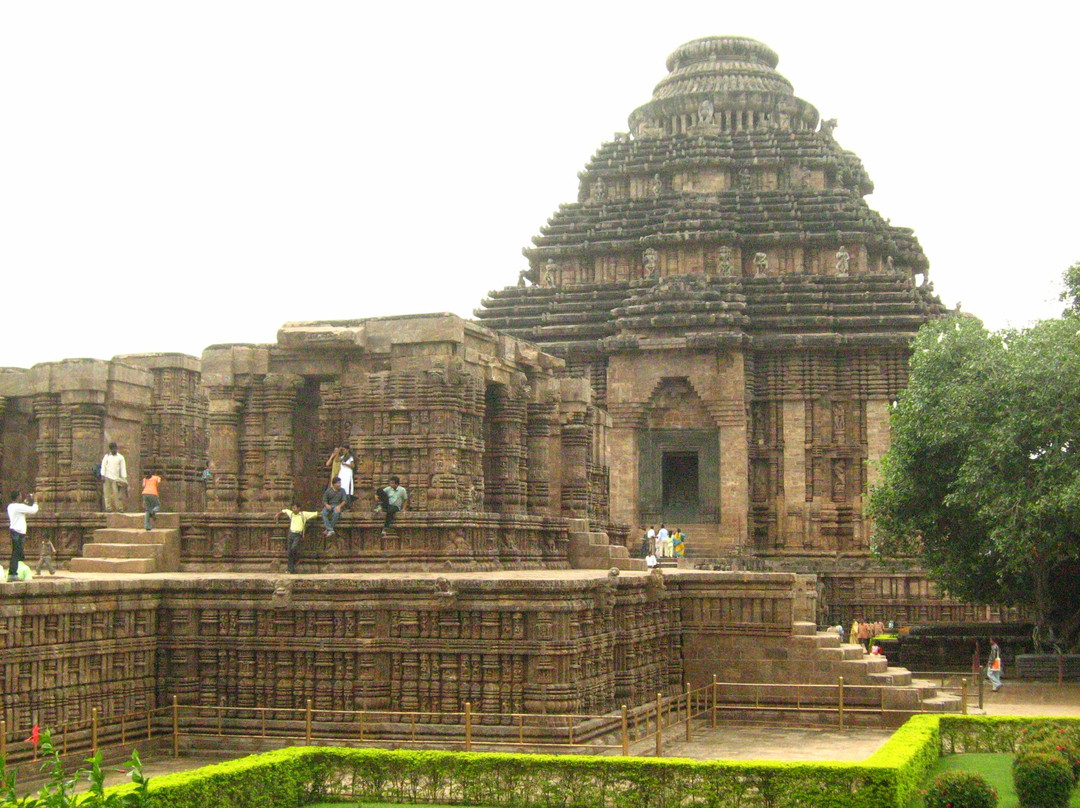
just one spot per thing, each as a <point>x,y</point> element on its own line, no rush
<point>999,733</point>
<point>290,778</point>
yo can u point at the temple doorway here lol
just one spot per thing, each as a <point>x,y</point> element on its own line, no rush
<point>679,484</point>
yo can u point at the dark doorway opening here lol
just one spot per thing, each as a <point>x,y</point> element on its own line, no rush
<point>679,481</point>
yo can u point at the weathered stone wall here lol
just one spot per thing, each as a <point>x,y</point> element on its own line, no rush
<point>521,644</point>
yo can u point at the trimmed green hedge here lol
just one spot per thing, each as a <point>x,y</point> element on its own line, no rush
<point>889,778</point>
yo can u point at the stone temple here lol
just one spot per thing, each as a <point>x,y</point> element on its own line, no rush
<point>710,336</point>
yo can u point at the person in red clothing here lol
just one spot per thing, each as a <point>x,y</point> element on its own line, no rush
<point>151,501</point>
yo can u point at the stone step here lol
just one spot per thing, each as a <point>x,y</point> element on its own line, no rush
<point>114,550</point>
<point>898,677</point>
<point>942,703</point>
<point>112,565</point>
<point>802,628</point>
<point>132,535</point>
<point>135,520</point>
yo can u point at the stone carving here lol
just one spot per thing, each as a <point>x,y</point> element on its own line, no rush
<point>761,264</point>
<point>746,179</point>
<point>650,263</point>
<point>705,112</point>
<point>839,422</point>
<point>549,272</point>
<point>839,480</point>
<point>827,127</point>
<point>599,190</point>
<point>843,261</point>
<point>657,185</point>
<point>726,264</point>
<point>443,588</point>
<point>890,265</point>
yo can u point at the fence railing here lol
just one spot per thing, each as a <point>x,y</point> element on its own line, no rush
<point>656,720</point>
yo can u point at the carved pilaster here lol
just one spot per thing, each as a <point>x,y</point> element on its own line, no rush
<point>223,417</point>
<point>87,423</point>
<point>542,416</point>
<point>47,414</point>
<point>279,401</point>
<point>575,457</point>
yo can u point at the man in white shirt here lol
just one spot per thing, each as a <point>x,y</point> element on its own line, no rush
<point>20,507</point>
<point>663,542</point>
<point>114,479</point>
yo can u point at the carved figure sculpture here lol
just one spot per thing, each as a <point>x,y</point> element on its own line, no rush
<point>725,266</point>
<point>705,112</point>
<point>746,180</point>
<point>843,261</point>
<point>650,262</point>
<point>599,190</point>
<point>549,272</point>
<point>828,126</point>
<point>657,187</point>
<point>761,264</point>
<point>839,421</point>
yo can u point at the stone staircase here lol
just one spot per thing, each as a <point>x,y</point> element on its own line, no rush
<point>592,551</point>
<point>124,545</point>
<point>824,657</point>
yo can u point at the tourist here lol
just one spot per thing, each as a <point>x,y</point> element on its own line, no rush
<point>45,560</point>
<point>650,560</point>
<point>853,637</point>
<point>663,542</point>
<point>298,520</point>
<point>839,629</point>
<point>333,462</point>
<point>678,544</point>
<point>651,536</point>
<point>150,498</point>
<point>396,497</point>
<point>114,480</point>
<point>334,499</point>
<point>993,665</point>
<point>20,507</point>
<point>345,472</point>
<point>205,476</point>
<point>864,635</point>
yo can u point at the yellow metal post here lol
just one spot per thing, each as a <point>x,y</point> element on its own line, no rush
<point>840,698</point>
<point>625,734</point>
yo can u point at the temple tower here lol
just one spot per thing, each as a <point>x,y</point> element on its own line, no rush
<point>738,309</point>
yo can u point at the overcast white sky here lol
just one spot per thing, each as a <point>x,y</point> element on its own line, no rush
<point>174,175</point>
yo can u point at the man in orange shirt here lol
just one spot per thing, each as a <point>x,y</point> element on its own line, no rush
<point>151,503</point>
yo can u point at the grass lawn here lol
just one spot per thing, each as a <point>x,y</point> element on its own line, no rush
<point>379,805</point>
<point>997,769</point>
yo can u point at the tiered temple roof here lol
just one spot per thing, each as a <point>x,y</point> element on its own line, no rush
<point>727,215</point>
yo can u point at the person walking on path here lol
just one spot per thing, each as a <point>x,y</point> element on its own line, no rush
<point>396,497</point>
<point>334,499</point>
<point>993,665</point>
<point>114,480</point>
<point>150,498</point>
<point>20,507</point>
<point>298,520</point>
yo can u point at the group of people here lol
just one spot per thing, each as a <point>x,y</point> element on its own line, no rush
<point>862,632</point>
<point>338,496</point>
<point>662,543</point>
<point>114,483</point>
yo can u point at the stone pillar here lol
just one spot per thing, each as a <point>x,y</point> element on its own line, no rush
<point>796,441</point>
<point>280,402</point>
<point>542,416</point>
<point>87,421</point>
<point>223,417</point>
<point>47,414</point>
<point>252,469</point>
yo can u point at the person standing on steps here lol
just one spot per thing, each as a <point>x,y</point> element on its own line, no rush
<point>114,480</point>
<point>348,465</point>
<point>298,520</point>
<point>20,507</point>
<point>150,497</point>
<point>396,497</point>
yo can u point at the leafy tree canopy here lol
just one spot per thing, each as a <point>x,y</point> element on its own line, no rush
<point>982,479</point>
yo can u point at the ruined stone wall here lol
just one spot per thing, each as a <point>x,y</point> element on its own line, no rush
<point>419,644</point>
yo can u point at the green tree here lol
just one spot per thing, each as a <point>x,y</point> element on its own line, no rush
<point>982,479</point>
